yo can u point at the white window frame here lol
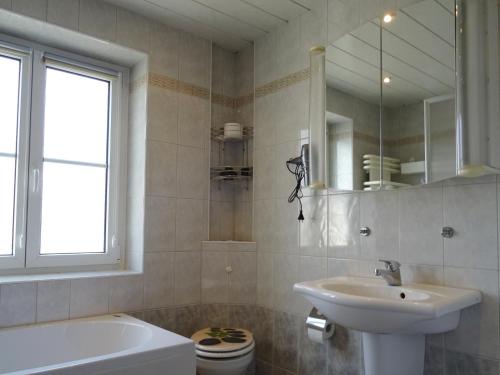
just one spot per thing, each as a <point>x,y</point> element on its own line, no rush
<point>23,54</point>
<point>27,254</point>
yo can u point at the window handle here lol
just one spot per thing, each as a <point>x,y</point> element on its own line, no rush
<point>36,180</point>
<point>114,241</point>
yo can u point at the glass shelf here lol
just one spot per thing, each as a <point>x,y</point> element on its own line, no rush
<point>231,173</point>
<point>217,134</point>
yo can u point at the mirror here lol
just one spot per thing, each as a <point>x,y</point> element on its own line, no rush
<point>352,108</point>
<point>418,93</point>
<point>391,92</point>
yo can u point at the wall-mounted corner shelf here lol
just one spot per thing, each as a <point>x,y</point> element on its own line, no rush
<point>231,173</point>
<point>217,134</point>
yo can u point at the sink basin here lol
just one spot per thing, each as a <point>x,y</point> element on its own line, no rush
<point>370,305</point>
<point>394,319</point>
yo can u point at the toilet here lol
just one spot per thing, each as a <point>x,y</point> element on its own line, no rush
<point>223,351</point>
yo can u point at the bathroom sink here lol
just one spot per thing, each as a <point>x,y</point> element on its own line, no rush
<point>370,305</point>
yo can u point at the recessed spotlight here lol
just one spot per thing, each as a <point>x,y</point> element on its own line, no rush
<point>387,80</point>
<point>388,17</point>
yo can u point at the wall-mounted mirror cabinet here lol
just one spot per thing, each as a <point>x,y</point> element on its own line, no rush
<point>412,97</point>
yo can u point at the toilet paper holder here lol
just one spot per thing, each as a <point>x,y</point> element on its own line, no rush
<point>318,322</point>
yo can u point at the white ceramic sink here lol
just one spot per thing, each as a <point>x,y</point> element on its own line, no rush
<point>371,305</point>
<point>394,319</point>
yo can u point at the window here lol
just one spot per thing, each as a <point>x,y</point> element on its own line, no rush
<point>62,153</point>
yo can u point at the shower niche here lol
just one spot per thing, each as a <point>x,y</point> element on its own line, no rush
<point>231,145</point>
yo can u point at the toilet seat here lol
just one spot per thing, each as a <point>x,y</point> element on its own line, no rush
<point>223,343</point>
<point>226,354</point>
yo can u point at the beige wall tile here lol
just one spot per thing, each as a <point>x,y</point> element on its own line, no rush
<point>64,13</point>
<point>6,4</point>
<point>187,278</point>
<point>98,19</point>
<point>191,224</point>
<point>422,211</point>
<point>214,278</point>
<point>126,293</point>
<point>379,212</point>
<point>162,169</point>
<point>468,209</point>
<point>132,30</point>
<point>88,297</point>
<point>313,234</point>
<point>52,302</point>
<point>265,279</point>
<point>194,60</point>
<point>17,304</point>
<point>478,331</point>
<point>194,121</point>
<point>159,233</point>
<point>164,50</point>
<point>343,226</point>
<point>193,172</point>
<point>35,9</point>
<point>158,280</point>
<point>264,223</point>
<point>163,115</point>
<point>285,274</point>
<point>264,173</point>
<point>242,279</point>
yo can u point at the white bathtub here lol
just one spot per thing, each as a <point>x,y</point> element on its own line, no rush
<point>104,345</point>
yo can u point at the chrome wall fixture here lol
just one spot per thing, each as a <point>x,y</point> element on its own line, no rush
<point>365,231</point>
<point>447,232</point>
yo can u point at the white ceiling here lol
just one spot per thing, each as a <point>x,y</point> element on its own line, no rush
<point>417,53</point>
<point>232,24</point>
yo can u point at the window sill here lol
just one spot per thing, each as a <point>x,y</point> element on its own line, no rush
<point>26,278</point>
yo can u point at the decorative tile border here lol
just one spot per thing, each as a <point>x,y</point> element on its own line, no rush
<point>188,89</point>
<point>233,103</point>
<point>367,138</point>
<point>223,100</point>
<point>163,82</point>
<point>244,100</point>
<point>168,83</point>
<point>282,83</point>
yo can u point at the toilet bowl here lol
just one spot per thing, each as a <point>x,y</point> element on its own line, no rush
<point>223,351</point>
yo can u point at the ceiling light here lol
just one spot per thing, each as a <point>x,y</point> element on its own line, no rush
<point>388,17</point>
<point>387,80</point>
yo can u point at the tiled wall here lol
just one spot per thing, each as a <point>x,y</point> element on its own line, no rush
<point>176,214</point>
<point>405,224</point>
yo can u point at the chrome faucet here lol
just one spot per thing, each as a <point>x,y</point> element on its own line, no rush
<point>391,273</point>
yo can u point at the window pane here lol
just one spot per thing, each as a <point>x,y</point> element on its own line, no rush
<point>9,94</point>
<point>76,117</point>
<point>9,97</point>
<point>73,209</point>
<point>7,180</point>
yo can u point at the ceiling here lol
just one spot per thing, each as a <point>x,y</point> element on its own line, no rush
<point>232,24</point>
<point>418,53</point>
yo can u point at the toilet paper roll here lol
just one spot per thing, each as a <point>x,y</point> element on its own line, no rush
<point>319,336</point>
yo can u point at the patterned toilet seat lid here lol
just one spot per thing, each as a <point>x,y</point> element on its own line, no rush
<point>222,340</point>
